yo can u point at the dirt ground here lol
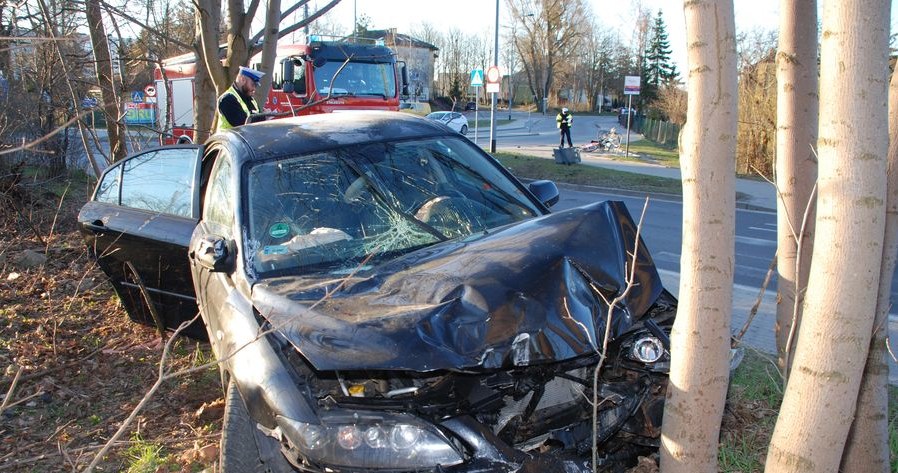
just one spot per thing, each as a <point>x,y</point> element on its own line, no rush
<point>80,366</point>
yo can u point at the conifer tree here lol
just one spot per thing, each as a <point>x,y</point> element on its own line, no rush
<point>659,70</point>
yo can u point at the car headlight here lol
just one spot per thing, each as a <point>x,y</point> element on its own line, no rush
<point>647,349</point>
<point>371,440</point>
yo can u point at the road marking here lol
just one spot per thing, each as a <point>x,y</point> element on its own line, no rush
<point>763,229</point>
<point>755,241</point>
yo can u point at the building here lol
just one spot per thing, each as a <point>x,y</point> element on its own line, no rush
<point>419,57</point>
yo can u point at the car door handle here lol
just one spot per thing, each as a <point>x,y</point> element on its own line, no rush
<point>96,225</point>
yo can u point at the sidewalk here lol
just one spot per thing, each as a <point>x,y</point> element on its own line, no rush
<point>750,194</point>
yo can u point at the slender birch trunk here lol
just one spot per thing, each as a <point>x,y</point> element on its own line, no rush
<point>700,340</point>
<point>114,128</point>
<point>838,314</point>
<point>796,165</point>
<point>867,448</point>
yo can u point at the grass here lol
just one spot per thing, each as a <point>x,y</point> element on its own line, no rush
<point>146,457</point>
<point>755,395</point>
<point>666,155</point>
<point>530,167</point>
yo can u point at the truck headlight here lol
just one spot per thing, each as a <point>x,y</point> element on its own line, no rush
<point>371,440</point>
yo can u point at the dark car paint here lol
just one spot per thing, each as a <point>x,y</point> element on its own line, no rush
<point>526,294</point>
<point>269,385</point>
<point>156,246</point>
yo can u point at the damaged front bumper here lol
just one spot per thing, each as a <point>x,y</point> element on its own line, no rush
<point>538,419</point>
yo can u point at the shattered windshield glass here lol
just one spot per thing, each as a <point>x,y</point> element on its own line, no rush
<point>328,212</point>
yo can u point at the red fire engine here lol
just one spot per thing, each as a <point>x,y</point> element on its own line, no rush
<point>319,77</point>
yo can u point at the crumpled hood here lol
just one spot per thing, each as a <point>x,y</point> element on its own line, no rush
<point>523,295</point>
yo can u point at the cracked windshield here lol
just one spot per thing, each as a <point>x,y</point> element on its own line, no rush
<point>327,212</point>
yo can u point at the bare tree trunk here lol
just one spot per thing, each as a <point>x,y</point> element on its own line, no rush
<point>208,66</point>
<point>796,165</point>
<point>269,49</point>
<point>700,340</point>
<point>821,397</point>
<point>867,448</point>
<point>115,130</point>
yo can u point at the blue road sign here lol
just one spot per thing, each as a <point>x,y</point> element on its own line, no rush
<point>477,78</point>
<point>137,96</point>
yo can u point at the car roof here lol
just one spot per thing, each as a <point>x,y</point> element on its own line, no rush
<point>320,132</point>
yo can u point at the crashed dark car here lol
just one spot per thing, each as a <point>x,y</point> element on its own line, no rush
<point>384,296</point>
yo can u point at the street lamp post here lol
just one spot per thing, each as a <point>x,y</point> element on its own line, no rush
<point>493,106</point>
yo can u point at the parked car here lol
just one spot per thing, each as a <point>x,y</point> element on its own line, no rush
<point>453,120</point>
<point>470,106</point>
<point>384,296</point>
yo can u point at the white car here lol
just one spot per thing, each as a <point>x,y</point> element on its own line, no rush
<point>453,120</point>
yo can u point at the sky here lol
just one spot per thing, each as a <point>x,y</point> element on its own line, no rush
<point>473,16</point>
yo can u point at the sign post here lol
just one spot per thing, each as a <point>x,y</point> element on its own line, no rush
<point>631,88</point>
<point>492,86</point>
<point>477,83</point>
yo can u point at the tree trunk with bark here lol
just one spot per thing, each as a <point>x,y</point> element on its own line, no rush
<point>867,448</point>
<point>109,92</point>
<point>700,341</point>
<point>838,314</point>
<point>796,165</point>
<point>208,67</point>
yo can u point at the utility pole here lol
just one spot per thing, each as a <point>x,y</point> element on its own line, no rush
<point>493,106</point>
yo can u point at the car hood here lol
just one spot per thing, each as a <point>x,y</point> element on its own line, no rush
<point>529,293</point>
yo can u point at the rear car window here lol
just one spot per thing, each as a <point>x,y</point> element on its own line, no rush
<point>160,181</point>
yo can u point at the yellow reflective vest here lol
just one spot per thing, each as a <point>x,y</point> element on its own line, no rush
<point>567,121</point>
<point>223,123</point>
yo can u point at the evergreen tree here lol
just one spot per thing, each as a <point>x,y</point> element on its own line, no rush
<point>659,70</point>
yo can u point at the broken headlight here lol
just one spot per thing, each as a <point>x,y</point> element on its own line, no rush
<point>647,349</point>
<point>371,440</point>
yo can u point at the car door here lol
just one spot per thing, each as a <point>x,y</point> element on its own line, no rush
<point>138,224</point>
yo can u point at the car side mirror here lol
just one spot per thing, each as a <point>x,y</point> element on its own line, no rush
<point>545,191</point>
<point>213,253</point>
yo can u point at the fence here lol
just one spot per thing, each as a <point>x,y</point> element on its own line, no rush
<point>661,132</point>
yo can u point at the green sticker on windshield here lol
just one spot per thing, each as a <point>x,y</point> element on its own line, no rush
<point>279,230</point>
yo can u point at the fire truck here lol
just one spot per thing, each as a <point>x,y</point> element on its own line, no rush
<point>319,77</point>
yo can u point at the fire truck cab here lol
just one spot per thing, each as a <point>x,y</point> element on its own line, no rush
<point>319,77</point>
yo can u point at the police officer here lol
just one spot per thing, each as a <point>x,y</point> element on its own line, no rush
<point>237,104</point>
<point>564,120</point>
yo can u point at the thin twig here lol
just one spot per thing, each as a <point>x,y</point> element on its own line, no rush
<point>799,293</point>
<point>12,388</point>
<point>754,309</point>
<point>629,278</point>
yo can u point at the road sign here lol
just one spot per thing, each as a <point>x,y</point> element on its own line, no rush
<point>137,96</point>
<point>477,78</point>
<point>150,91</point>
<point>631,85</point>
<point>492,79</point>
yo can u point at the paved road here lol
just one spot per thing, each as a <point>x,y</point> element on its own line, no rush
<point>755,248</point>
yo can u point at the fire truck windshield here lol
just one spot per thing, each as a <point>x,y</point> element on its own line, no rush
<point>356,78</point>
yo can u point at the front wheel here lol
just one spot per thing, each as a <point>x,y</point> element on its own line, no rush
<point>240,448</point>
<point>239,453</point>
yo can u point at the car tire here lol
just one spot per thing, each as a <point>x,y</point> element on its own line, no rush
<point>464,129</point>
<point>238,453</point>
<point>245,449</point>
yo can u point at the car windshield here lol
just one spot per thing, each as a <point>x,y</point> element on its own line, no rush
<point>328,212</point>
<point>356,78</point>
